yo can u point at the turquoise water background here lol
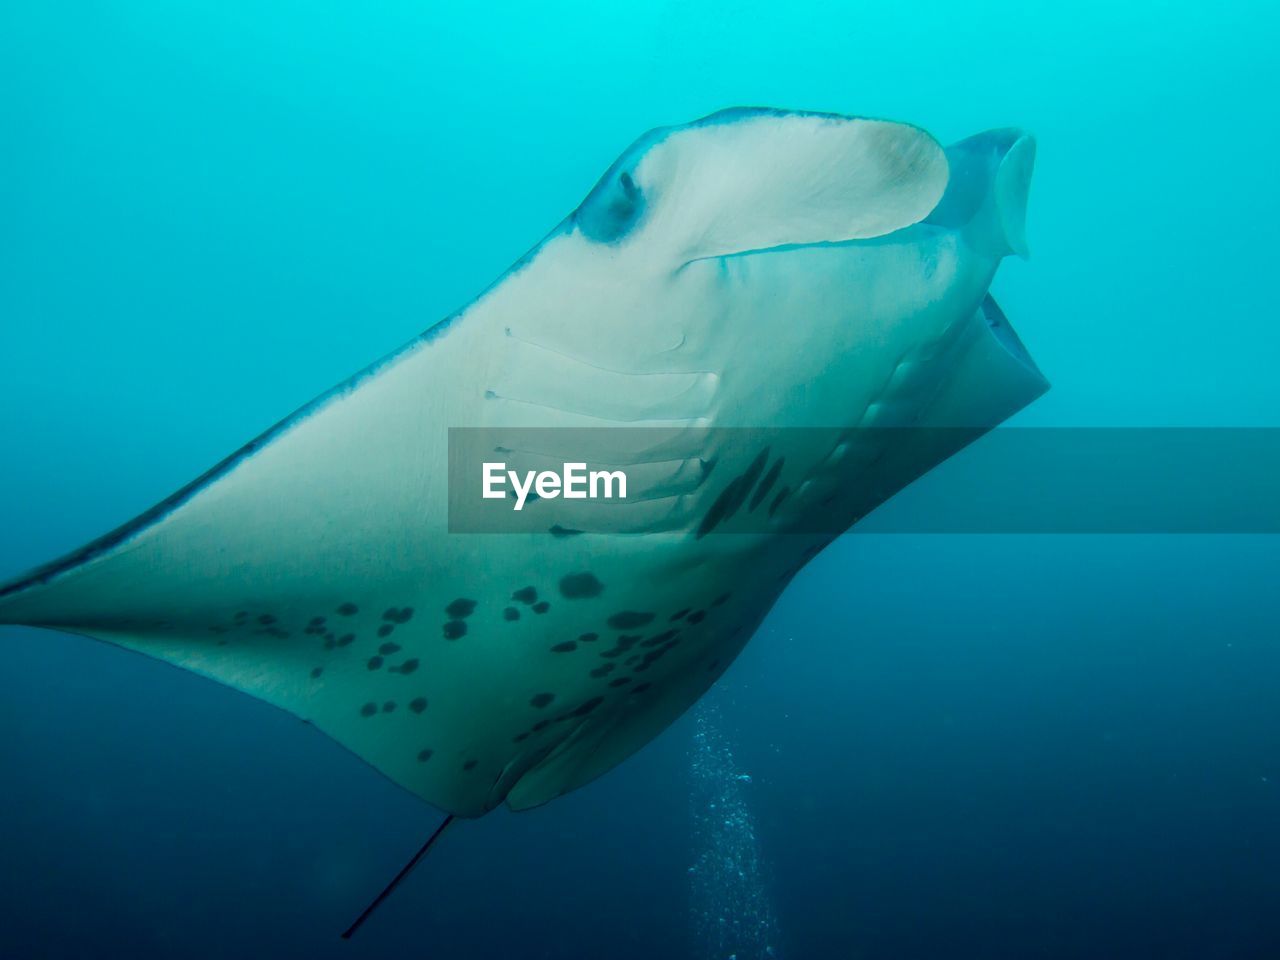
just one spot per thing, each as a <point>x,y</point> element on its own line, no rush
<point>960,745</point>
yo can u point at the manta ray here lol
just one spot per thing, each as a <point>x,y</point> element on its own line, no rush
<point>757,269</point>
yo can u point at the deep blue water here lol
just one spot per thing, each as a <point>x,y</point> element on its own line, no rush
<point>959,746</point>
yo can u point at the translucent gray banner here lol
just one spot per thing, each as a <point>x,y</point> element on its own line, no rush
<point>880,480</point>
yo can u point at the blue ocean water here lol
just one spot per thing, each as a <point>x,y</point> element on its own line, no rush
<point>964,746</point>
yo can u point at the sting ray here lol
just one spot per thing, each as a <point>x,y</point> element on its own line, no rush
<point>757,268</point>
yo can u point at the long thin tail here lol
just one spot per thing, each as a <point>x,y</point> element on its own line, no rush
<point>408,868</point>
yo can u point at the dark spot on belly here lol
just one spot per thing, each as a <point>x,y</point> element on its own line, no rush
<point>389,706</point>
<point>348,609</point>
<point>470,765</point>
<point>587,707</point>
<point>266,618</point>
<point>778,500</point>
<point>680,614</point>
<point>603,670</point>
<point>409,666</point>
<point>559,532</point>
<point>766,484</point>
<point>520,737</point>
<point>629,619</point>
<point>368,710</point>
<point>462,607</point>
<point>541,700</point>
<point>625,642</point>
<point>619,681</point>
<point>316,671</point>
<point>454,629</point>
<point>697,616</point>
<point>385,630</point>
<point>346,639</point>
<point>588,637</point>
<point>658,638</point>
<point>720,600</point>
<point>541,606</point>
<point>653,656</point>
<point>425,755</point>
<point>640,688</point>
<point>401,615</point>
<point>579,586</point>
<point>375,663</point>
<point>525,595</point>
<point>389,648</point>
<point>418,704</point>
<point>567,647</point>
<point>510,613</point>
<point>733,495</point>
